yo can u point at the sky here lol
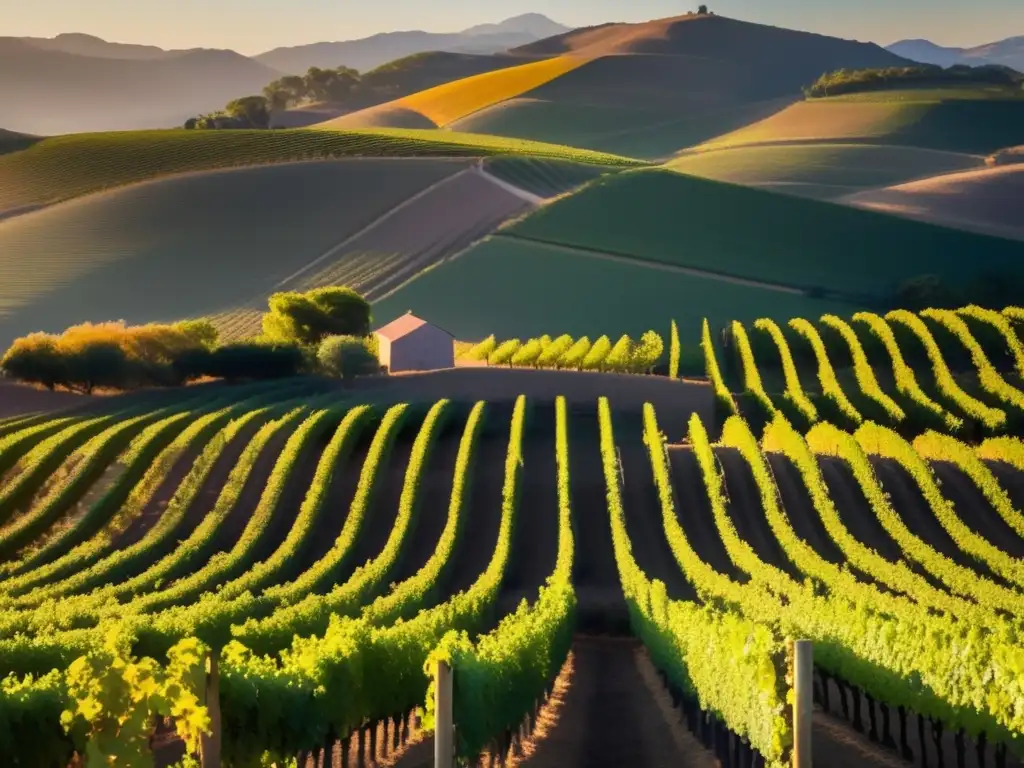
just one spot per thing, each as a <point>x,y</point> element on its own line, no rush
<point>253,26</point>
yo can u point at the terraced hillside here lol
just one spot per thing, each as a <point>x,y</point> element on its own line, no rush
<point>228,520</point>
<point>616,87</point>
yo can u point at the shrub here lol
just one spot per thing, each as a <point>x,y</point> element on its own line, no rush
<point>35,359</point>
<point>243,361</point>
<point>347,357</point>
<point>308,318</point>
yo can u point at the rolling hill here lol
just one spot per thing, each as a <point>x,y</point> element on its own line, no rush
<point>654,87</point>
<point>988,201</point>
<point>675,246</point>
<point>90,45</point>
<point>373,51</point>
<point>52,91</point>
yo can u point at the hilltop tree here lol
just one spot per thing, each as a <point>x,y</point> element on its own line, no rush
<point>702,10</point>
<point>285,92</point>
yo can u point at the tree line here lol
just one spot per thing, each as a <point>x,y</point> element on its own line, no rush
<point>325,331</point>
<point>845,81</point>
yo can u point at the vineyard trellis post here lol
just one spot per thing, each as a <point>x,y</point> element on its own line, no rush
<point>444,746</point>
<point>803,702</point>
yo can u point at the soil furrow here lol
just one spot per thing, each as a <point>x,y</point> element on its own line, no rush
<point>693,510</point>
<point>975,510</point>
<point>747,513</point>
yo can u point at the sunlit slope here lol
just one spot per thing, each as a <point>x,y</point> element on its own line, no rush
<point>989,201</point>
<point>193,244</point>
<point>660,86</point>
<point>819,247</point>
<point>957,121</point>
<point>517,289</point>
<point>64,167</point>
<point>444,104</point>
<point>822,170</point>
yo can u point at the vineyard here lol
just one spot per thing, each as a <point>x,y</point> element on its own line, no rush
<point>269,573</point>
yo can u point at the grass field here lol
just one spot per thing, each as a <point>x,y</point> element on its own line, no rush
<point>829,170</point>
<point>690,222</point>
<point>953,121</point>
<point>64,167</point>
<point>518,289</point>
<point>191,244</point>
<point>11,141</point>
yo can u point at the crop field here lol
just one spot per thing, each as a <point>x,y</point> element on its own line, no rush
<point>320,547</point>
<point>544,177</point>
<point>941,120</point>
<point>64,167</point>
<point>424,231</point>
<point>833,170</point>
<point>683,221</point>
<point>952,371</point>
<point>192,244</point>
<point>535,277</point>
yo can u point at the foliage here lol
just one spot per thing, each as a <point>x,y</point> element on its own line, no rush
<point>347,357</point>
<point>844,81</point>
<point>674,351</point>
<point>244,361</point>
<point>308,318</point>
<point>482,350</point>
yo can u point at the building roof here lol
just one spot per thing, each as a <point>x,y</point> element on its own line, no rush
<point>403,326</point>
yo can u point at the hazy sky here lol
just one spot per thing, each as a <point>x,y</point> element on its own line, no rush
<point>252,26</point>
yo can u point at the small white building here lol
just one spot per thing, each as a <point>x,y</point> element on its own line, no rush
<point>410,343</point>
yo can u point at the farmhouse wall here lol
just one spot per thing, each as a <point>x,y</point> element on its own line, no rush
<point>425,349</point>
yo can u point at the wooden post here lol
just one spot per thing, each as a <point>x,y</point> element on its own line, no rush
<point>803,703</point>
<point>444,747</point>
<point>210,745</point>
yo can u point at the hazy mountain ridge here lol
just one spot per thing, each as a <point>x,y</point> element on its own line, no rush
<point>1007,53</point>
<point>370,52</point>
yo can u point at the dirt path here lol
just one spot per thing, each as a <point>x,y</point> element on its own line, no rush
<point>610,716</point>
<point>974,509</point>
<point>744,506</point>
<point>643,513</point>
<point>535,535</point>
<point>916,513</point>
<point>693,509</point>
<point>154,508</point>
<point>482,512</point>
<point>434,494</point>
<point>601,605</point>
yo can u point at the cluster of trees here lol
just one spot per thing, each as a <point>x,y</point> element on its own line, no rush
<point>340,85</point>
<point>923,76</point>
<point>991,289</point>
<point>323,331</point>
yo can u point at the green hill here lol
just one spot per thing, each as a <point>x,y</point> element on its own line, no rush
<point>680,220</point>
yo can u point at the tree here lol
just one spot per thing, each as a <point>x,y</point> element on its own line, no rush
<point>674,352</point>
<point>330,84</point>
<point>35,359</point>
<point>307,318</point>
<point>98,364</point>
<point>243,361</point>
<point>702,10</point>
<point>347,357</point>
<point>252,110</point>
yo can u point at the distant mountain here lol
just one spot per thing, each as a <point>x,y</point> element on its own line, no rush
<point>370,52</point>
<point>88,45</point>
<point>1007,53</point>
<point>536,24</point>
<point>52,91</point>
